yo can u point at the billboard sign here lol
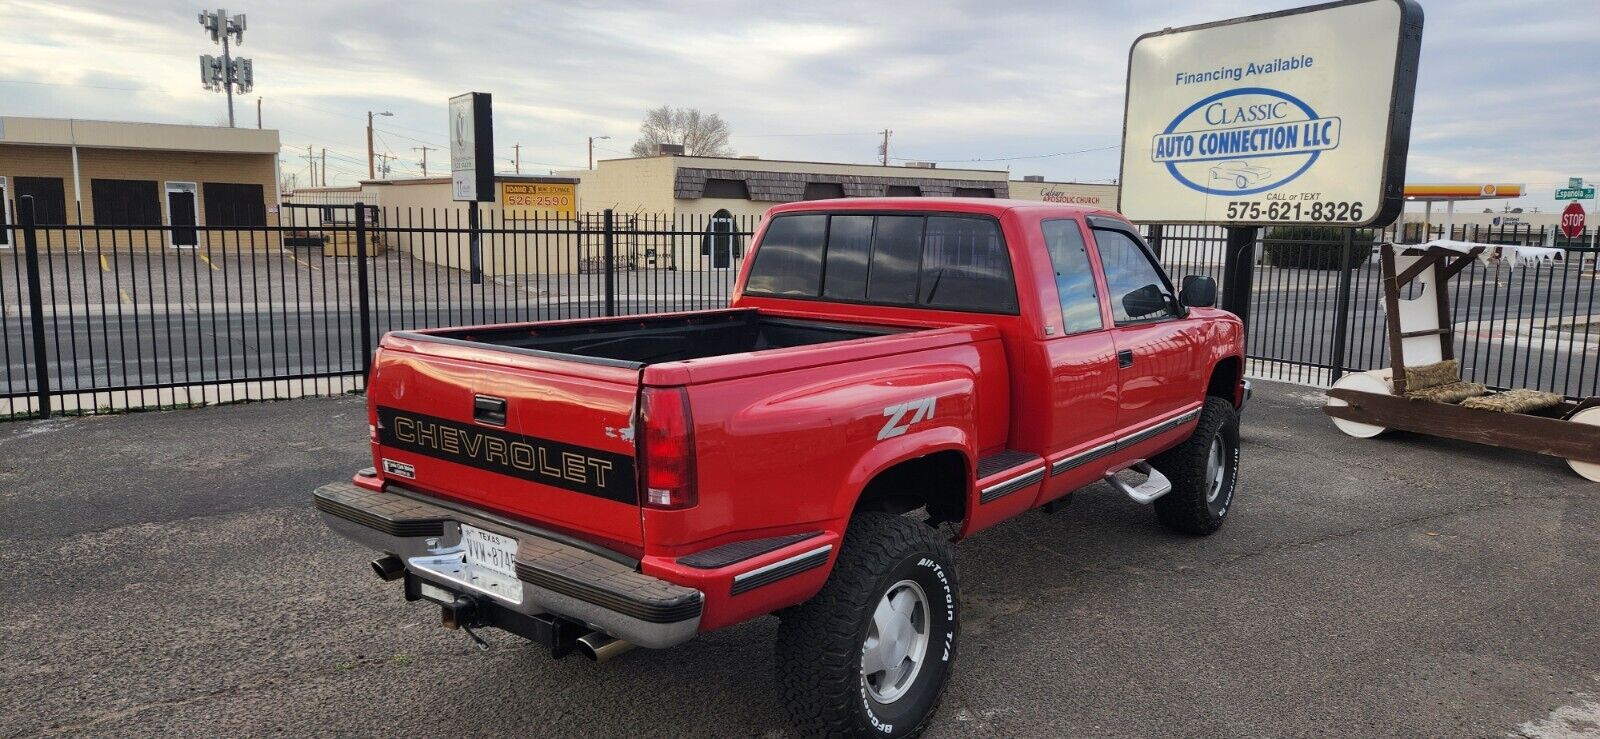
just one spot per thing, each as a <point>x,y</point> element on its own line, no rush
<point>1300,116</point>
<point>521,200</point>
<point>472,147</point>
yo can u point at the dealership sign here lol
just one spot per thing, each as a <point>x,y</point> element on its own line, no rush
<point>1301,116</point>
<point>472,147</point>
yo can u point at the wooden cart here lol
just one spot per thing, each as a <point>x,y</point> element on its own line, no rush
<point>1366,404</point>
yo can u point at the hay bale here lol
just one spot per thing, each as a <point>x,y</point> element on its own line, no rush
<point>1514,401</point>
<point>1451,392</point>
<point>1431,375</point>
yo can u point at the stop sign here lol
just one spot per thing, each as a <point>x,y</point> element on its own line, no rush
<point>1572,221</point>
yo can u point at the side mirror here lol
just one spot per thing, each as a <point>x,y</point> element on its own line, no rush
<point>1198,292</point>
<point>1144,301</point>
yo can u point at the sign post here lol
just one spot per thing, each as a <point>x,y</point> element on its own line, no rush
<point>1296,117</point>
<point>472,163</point>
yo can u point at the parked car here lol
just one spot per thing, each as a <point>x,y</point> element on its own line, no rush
<point>892,375</point>
<point>1239,173</point>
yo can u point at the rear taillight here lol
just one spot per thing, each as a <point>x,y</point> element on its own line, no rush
<point>667,450</point>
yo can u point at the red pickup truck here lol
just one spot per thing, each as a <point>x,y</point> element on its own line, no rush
<point>892,374</point>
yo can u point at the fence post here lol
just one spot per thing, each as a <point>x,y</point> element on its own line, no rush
<point>365,301</point>
<point>1238,271</point>
<point>611,268</point>
<point>1153,237</point>
<point>1341,321</point>
<point>30,250</point>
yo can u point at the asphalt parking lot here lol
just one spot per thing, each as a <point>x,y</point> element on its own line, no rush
<point>165,575</point>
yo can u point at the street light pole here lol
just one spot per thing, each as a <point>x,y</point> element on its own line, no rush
<point>592,139</point>
<point>371,173</point>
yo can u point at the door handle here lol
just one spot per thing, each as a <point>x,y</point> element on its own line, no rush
<point>1125,358</point>
<point>489,410</point>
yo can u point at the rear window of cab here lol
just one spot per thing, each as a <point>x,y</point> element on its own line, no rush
<point>945,262</point>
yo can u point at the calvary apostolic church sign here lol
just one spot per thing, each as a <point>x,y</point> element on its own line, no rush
<point>1301,116</point>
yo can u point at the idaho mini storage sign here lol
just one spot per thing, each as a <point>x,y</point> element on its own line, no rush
<point>1302,116</point>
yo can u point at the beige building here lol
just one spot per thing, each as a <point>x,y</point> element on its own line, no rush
<point>746,186</point>
<point>1092,195</point>
<point>139,174</point>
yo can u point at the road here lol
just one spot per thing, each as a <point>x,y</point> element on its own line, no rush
<point>167,576</point>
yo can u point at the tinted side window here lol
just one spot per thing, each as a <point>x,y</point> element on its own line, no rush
<point>849,239</point>
<point>789,260</point>
<point>965,266</point>
<point>896,253</point>
<point>1130,275</point>
<point>1080,307</point>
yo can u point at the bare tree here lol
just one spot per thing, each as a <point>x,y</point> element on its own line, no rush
<point>699,133</point>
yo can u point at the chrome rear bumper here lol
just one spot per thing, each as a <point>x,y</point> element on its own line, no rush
<point>552,577</point>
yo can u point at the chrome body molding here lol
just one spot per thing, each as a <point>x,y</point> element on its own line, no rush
<point>1006,487</point>
<point>1068,464</point>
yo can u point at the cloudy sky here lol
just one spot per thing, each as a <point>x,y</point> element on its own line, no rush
<point>1508,91</point>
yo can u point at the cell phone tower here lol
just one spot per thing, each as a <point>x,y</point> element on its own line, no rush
<point>226,73</point>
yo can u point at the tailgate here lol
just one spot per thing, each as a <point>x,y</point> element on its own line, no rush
<point>536,438</point>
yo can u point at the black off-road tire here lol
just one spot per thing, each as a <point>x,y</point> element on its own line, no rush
<point>1190,508</point>
<point>820,642</point>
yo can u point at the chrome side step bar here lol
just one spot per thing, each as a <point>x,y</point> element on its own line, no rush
<point>1156,486</point>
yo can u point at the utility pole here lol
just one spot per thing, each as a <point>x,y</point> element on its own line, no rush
<point>225,73</point>
<point>258,113</point>
<point>324,166</point>
<point>517,162</point>
<point>883,149</point>
<point>311,167</point>
<point>424,150</point>
<point>370,173</point>
<point>383,164</point>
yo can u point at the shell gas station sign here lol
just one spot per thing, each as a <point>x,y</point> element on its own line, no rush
<point>525,200</point>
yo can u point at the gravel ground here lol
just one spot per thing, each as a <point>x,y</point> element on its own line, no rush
<point>167,576</point>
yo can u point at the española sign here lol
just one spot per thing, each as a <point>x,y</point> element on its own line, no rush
<point>1302,116</point>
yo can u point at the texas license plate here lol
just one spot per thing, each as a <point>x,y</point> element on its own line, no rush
<point>490,551</point>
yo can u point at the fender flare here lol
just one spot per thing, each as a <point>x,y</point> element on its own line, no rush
<point>888,453</point>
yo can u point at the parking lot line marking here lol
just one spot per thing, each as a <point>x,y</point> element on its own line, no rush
<point>207,260</point>
<point>103,266</point>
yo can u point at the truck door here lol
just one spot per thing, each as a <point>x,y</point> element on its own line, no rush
<point>1083,364</point>
<point>1157,368</point>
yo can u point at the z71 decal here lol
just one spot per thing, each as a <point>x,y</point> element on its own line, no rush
<point>902,415</point>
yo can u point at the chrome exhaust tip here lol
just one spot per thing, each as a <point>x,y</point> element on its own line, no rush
<point>602,647</point>
<point>389,568</point>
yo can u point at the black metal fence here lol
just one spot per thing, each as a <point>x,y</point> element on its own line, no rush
<point>107,318</point>
<point>102,318</point>
<point>1532,325</point>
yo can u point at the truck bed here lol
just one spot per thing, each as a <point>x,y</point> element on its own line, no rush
<point>666,338</point>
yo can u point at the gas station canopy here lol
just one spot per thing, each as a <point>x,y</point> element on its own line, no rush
<point>1462,191</point>
<point>1451,193</point>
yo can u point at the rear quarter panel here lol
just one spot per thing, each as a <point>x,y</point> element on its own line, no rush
<point>791,452</point>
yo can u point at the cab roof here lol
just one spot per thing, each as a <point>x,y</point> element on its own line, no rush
<point>986,206</point>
